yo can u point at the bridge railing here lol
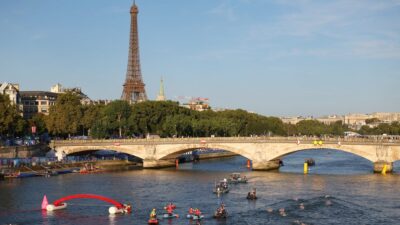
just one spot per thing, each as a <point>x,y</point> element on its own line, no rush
<point>204,140</point>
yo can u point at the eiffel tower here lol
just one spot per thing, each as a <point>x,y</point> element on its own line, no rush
<point>133,90</point>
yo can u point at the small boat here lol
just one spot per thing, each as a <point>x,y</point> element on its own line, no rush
<point>47,173</point>
<point>90,168</point>
<point>20,174</point>
<point>221,215</point>
<point>153,221</point>
<point>236,178</point>
<point>194,217</point>
<point>65,171</point>
<point>222,187</point>
<point>170,216</point>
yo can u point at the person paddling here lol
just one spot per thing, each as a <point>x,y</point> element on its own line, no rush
<point>221,212</point>
<point>153,214</point>
<point>197,212</point>
<point>170,208</point>
<point>252,195</point>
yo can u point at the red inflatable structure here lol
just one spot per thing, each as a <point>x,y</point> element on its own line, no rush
<point>91,196</point>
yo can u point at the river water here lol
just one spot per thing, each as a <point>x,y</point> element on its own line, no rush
<point>340,189</point>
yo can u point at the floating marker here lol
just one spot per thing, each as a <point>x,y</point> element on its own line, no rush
<point>305,168</point>
<point>44,202</point>
<point>384,169</point>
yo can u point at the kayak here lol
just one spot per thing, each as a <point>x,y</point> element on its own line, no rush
<point>153,221</point>
<point>170,216</point>
<point>194,217</point>
<point>220,215</point>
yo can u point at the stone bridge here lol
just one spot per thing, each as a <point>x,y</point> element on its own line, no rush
<point>264,152</point>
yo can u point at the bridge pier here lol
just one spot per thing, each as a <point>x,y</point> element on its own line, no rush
<point>154,163</point>
<point>378,166</point>
<point>266,165</point>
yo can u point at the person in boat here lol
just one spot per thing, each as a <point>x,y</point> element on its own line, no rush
<point>197,212</point>
<point>252,194</point>
<point>170,205</point>
<point>127,208</point>
<point>191,211</point>
<point>153,214</point>
<point>221,211</point>
<point>225,184</point>
<point>170,208</point>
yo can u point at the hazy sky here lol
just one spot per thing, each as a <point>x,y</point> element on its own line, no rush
<point>273,57</point>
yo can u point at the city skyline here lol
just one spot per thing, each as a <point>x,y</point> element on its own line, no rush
<point>281,58</point>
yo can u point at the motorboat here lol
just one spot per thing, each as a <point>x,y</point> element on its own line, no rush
<point>236,178</point>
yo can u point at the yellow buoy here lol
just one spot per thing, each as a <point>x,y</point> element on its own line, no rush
<point>384,169</point>
<point>305,168</point>
<point>315,142</point>
<point>320,142</point>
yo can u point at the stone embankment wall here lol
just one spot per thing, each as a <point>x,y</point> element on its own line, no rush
<point>24,151</point>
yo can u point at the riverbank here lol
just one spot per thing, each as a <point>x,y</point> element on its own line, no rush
<point>24,151</point>
<point>30,168</point>
<point>57,168</point>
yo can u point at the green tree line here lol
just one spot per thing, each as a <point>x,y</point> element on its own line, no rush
<point>68,117</point>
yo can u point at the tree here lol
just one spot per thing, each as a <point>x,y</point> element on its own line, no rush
<point>91,114</point>
<point>337,128</point>
<point>312,127</point>
<point>10,120</point>
<point>65,116</point>
<point>150,116</point>
<point>39,121</point>
<point>116,115</point>
<point>290,129</point>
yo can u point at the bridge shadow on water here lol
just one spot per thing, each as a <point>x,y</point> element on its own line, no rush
<point>327,161</point>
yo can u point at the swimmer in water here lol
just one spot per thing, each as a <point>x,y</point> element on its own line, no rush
<point>270,210</point>
<point>282,212</point>
<point>328,203</point>
<point>301,206</point>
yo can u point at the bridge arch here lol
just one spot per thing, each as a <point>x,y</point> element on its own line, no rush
<point>322,150</point>
<point>58,202</point>
<point>367,152</point>
<point>120,149</point>
<point>175,151</point>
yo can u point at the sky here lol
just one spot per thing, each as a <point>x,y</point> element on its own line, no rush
<point>272,57</point>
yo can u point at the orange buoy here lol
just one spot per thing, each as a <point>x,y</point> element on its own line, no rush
<point>248,163</point>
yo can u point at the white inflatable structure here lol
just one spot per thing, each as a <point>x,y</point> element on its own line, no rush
<point>114,210</point>
<point>51,207</point>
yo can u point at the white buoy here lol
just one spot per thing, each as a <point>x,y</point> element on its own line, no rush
<point>52,207</point>
<point>114,210</point>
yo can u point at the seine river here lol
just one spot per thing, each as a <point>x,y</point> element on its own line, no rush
<point>340,189</point>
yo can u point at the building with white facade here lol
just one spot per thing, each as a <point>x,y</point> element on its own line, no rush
<point>12,90</point>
